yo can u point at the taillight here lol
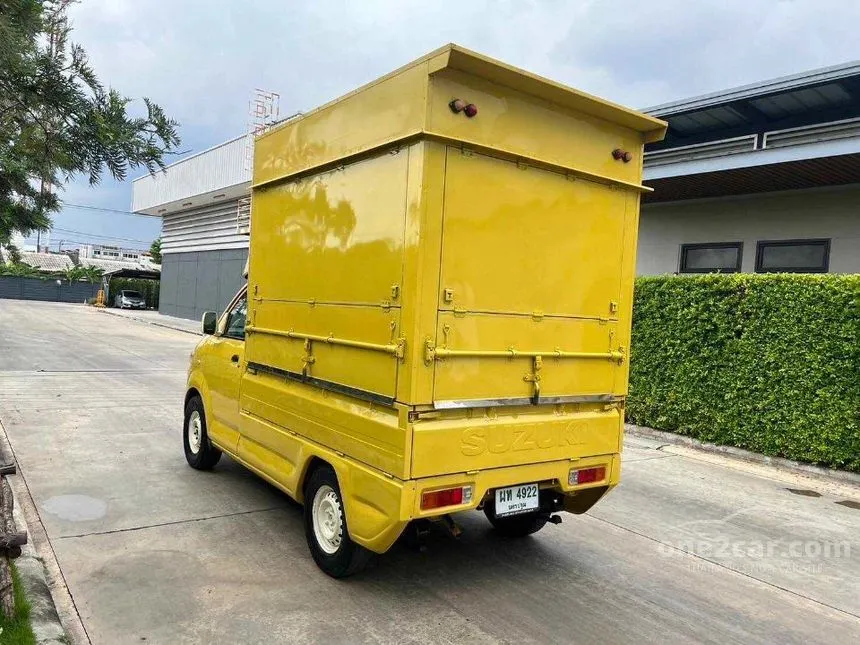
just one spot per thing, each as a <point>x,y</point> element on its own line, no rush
<point>586,475</point>
<point>446,497</point>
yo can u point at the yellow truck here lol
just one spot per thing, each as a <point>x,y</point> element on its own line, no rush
<point>438,307</point>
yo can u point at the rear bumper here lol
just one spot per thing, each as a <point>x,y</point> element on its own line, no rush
<point>552,475</point>
<point>380,518</point>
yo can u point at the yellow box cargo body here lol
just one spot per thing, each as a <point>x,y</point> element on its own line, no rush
<point>440,300</point>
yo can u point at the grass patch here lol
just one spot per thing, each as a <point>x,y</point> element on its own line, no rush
<point>17,631</point>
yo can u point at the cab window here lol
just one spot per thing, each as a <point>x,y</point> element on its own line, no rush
<point>235,327</point>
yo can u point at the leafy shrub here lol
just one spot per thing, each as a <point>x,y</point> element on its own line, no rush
<point>769,363</point>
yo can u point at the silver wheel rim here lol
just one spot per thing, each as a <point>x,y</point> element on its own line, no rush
<point>195,431</point>
<point>328,519</point>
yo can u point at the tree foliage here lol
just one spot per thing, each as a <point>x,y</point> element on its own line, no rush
<point>57,120</point>
<point>770,363</point>
<point>155,250</point>
<point>78,274</point>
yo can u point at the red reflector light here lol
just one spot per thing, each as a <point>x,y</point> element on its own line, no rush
<point>470,110</point>
<point>589,475</point>
<point>439,498</point>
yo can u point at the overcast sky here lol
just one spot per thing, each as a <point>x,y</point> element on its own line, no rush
<point>201,59</point>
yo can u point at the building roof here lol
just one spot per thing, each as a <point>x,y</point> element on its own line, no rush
<point>119,266</point>
<point>781,84</point>
<point>818,96</point>
<point>47,262</point>
<point>59,262</point>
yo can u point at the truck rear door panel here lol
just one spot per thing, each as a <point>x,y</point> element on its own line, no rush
<point>531,263</point>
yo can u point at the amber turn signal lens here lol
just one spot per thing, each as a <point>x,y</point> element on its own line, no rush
<point>457,105</point>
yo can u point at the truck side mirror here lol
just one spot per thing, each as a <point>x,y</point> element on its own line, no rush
<point>210,321</point>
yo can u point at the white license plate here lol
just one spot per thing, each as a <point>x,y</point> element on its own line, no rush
<point>516,499</point>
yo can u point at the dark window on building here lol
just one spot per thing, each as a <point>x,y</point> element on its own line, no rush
<point>793,256</point>
<point>723,257</point>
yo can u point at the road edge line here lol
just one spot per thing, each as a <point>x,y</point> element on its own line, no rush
<point>154,323</point>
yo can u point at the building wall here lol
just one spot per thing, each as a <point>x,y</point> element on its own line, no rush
<point>817,213</point>
<point>199,281</point>
<point>18,288</point>
<point>206,228</point>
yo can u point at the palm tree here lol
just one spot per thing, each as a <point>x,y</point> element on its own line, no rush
<point>74,274</point>
<point>92,274</point>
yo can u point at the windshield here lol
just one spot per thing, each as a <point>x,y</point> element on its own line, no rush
<point>131,294</point>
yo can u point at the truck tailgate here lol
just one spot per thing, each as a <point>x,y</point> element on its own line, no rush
<point>469,440</point>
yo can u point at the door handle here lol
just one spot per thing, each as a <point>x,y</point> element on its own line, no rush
<point>234,358</point>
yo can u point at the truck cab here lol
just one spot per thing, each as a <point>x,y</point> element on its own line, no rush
<point>438,308</point>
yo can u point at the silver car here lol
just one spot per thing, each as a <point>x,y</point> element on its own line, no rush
<point>127,299</point>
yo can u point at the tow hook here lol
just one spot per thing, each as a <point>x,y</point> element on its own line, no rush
<point>453,528</point>
<point>416,534</point>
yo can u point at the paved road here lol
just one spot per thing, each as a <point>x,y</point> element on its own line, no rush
<point>155,552</point>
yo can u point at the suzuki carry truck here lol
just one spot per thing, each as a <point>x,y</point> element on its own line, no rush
<point>438,307</point>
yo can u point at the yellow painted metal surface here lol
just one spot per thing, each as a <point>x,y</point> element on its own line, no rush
<point>436,300</point>
<point>409,102</point>
<point>528,127</point>
<point>525,240</point>
<point>386,110</point>
<point>497,438</point>
<point>334,237</point>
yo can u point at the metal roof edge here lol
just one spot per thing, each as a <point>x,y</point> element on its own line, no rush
<point>453,56</point>
<point>471,62</point>
<point>759,88</point>
<point>196,154</point>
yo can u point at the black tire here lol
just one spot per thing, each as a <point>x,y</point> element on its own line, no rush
<point>206,455</point>
<point>515,526</point>
<point>348,557</point>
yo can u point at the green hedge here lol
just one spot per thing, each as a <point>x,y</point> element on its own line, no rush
<point>769,363</point>
<point>147,288</point>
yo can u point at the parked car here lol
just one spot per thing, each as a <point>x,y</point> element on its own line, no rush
<point>128,299</point>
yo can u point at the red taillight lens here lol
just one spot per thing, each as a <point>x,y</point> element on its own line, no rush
<point>470,110</point>
<point>587,475</point>
<point>439,498</point>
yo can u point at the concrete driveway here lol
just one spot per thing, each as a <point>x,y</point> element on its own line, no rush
<point>690,548</point>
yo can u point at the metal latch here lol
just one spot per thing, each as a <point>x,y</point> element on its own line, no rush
<point>534,378</point>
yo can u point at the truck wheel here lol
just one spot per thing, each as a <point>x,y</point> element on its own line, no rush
<point>199,451</point>
<point>326,529</point>
<point>515,526</point>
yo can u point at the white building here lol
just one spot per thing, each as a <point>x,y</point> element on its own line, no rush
<point>114,253</point>
<point>204,243</point>
<point>764,177</point>
<point>759,178</point>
